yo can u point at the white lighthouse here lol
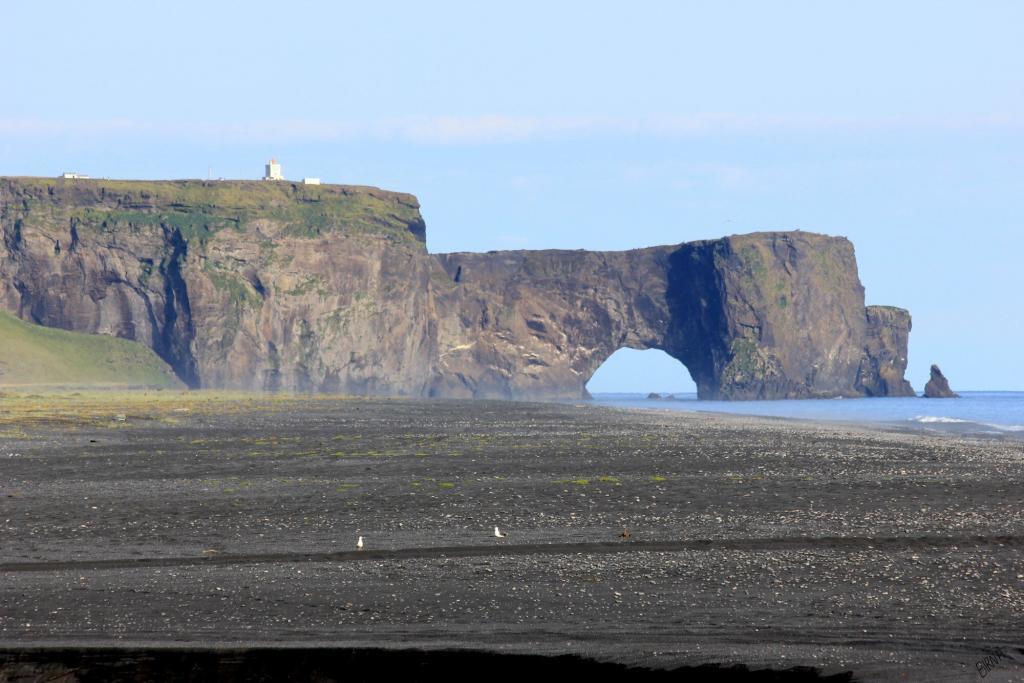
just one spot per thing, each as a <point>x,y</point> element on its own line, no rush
<point>273,171</point>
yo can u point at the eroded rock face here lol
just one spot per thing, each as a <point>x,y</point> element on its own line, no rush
<point>885,354</point>
<point>538,324</point>
<point>241,285</point>
<point>768,315</point>
<point>277,286</point>
<point>938,385</point>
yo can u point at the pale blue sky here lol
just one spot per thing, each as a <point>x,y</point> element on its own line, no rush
<point>582,125</point>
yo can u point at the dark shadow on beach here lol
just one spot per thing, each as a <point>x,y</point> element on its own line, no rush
<point>325,665</point>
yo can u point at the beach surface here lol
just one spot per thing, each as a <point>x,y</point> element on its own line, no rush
<point>209,521</point>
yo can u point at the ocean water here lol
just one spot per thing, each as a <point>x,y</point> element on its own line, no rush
<point>988,413</point>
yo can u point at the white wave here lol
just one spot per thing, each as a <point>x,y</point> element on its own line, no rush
<point>937,419</point>
<point>1004,428</point>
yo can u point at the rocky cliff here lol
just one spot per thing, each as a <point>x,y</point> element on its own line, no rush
<point>279,286</point>
<point>885,354</point>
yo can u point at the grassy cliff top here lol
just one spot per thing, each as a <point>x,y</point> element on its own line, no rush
<point>35,355</point>
<point>194,204</point>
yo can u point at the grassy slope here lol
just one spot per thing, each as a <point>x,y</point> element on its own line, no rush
<point>31,355</point>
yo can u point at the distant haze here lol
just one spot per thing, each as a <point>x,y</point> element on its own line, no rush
<point>583,125</point>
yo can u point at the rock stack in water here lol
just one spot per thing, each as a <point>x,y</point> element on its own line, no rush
<point>938,386</point>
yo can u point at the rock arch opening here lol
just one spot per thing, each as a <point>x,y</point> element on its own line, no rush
<point>634,371</point>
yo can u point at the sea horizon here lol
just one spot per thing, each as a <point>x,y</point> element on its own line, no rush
<point>997,413</point>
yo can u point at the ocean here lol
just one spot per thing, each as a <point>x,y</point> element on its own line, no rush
<point>980,413</point>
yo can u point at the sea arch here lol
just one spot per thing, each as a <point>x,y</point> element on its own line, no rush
<point>641,371</point>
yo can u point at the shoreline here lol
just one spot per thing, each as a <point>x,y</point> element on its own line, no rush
<point>937,426</point>
<point>949,427</point>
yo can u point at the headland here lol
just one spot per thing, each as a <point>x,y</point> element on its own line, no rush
<point>281,286</point>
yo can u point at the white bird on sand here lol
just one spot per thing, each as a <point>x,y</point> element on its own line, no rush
<point>359,543</point>
<point>497,533</point>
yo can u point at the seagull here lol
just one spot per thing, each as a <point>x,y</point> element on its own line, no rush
<point>359,543</point>
<point>498,534</point>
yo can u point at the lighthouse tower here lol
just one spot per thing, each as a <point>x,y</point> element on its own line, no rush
<point>273,171</point>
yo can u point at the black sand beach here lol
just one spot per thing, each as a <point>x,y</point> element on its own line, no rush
<point>230,526</point>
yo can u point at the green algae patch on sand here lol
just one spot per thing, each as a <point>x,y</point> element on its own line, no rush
<point>118,408</point>
<point>36,355</point>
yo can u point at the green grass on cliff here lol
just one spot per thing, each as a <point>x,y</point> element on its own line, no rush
<point>35,355</point>
<point>200,209</point>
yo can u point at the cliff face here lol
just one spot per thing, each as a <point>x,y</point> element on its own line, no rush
<point>768,315</point>
<point>246,285</point>
<point>524,324</point>
<point>885,355</point>
<point>277,286</point>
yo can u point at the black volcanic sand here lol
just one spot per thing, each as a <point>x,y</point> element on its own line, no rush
<point>762,543</point>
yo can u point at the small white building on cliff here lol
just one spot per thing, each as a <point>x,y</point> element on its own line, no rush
<point>273,171</point>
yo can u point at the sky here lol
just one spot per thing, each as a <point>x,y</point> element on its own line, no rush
<point>590,125</point>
